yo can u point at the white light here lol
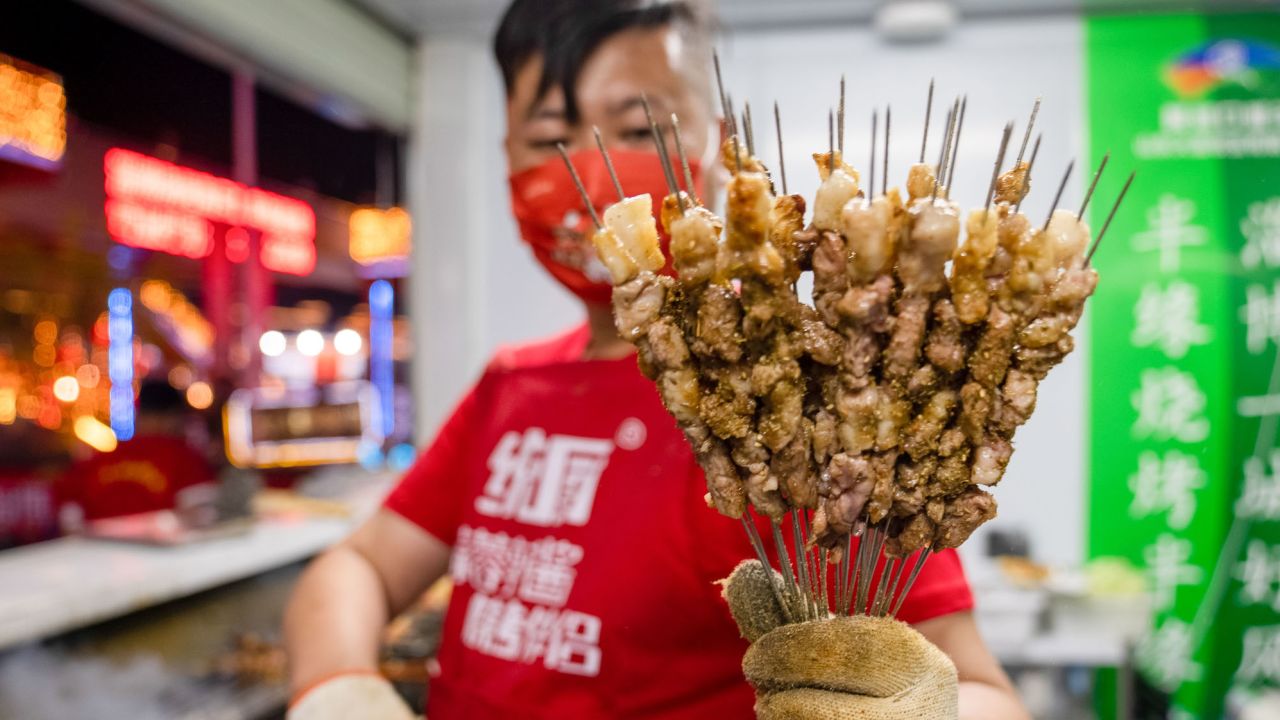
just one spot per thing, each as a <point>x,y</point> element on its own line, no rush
<point>272,343</point>
<point>66,389</point>
<point>347,342</point>
<point>310,342</point>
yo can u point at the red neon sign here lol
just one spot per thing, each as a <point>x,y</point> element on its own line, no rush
<point>156,205</point>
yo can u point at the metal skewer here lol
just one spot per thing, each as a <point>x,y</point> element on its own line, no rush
<point>1026,177</point>
<point>663,156</point>
<point>1056,198</point>
<point>884,167</point>
<point>577,181</point>
<point>802,563</point>
<point>831,144</point>
<point>871,172</point>
<point>995,171</point>
<point>810,558</point>
<point>928,112</point>
<point>725,109</point>
<point>882,589</point>
<point>737,140</point>
<point>1026,136</point>
<point>748,128</point>
<point>842,581</point>
<point>882,534</point>
<point>955,144</point>
<point>911,580</point>
<point>841,125</point>
<point>865,545</point>
<point>1110,217</point>
<point>782,167</point>
<point>941,168</point>
<point>684,160</point>
<point>784,562</point>
<point>824,604</point>
<point>753,536</point>
<point>1093,185</point>
<point>613,175</point>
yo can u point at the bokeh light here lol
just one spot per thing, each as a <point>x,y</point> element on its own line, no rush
<point>348,342</point>
<point>199,395</point>
<point>272,343</point>
<point>66,389</point>
<point>310,342</point>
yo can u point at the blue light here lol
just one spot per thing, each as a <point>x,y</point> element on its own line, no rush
<point>369,455</point>
<point>120,361</point>
<point>119,257</point>
<point>381,337</point>
<point>381,297</point>
<point>400,457</point>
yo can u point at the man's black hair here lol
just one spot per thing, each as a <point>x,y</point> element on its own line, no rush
<point>565,33</point>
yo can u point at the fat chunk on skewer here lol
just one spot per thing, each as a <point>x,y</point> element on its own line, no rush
<point>928,245</point>
<point>609,248</point>
<point>871,245</point>
<point>1066,238</point>
<point>839,186</point>
<point>631,221</point>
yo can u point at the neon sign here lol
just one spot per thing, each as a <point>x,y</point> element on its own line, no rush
<point>33,115</point>
<point>156,205</point>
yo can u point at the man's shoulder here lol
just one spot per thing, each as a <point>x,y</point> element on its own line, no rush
<point>562,347</point>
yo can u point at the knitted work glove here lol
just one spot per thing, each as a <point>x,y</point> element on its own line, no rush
<point>861,667</point>
<point>350,695</point>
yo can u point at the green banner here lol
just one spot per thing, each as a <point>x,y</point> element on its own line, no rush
<point>1184,480</point>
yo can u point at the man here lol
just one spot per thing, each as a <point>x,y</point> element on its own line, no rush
<point>561,497</point>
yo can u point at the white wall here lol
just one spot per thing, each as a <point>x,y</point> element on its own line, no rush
<point>476,286</point>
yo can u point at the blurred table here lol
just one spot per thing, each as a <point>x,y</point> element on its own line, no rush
<point>53,587</point>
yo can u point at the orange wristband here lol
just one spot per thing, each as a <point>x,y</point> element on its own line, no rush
<point>305,689</point>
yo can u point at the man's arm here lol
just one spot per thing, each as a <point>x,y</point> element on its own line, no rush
<point>346,597</point>
<point>985,690</point>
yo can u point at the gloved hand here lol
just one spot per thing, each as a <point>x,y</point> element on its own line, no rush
<point>843,667</point>
<point>364,695</point>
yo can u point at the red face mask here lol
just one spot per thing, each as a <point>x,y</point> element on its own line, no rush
<point>554,222</point>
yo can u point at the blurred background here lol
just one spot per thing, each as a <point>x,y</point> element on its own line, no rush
<point>264,247</point>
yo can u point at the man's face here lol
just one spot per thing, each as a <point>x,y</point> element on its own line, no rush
<point>626,65</point>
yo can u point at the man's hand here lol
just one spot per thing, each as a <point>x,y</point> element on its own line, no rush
<point>843,667</point>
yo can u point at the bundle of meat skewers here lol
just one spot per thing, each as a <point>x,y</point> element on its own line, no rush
<point>883,409</point>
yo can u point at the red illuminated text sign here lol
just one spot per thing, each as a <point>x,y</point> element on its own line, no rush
<point>156,205</point>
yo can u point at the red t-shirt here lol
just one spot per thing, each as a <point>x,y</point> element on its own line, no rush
<point>584,558</point>
<point>141,475</point>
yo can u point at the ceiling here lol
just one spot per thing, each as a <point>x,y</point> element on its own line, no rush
<point>450,16</point>
<point>436,17</point>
